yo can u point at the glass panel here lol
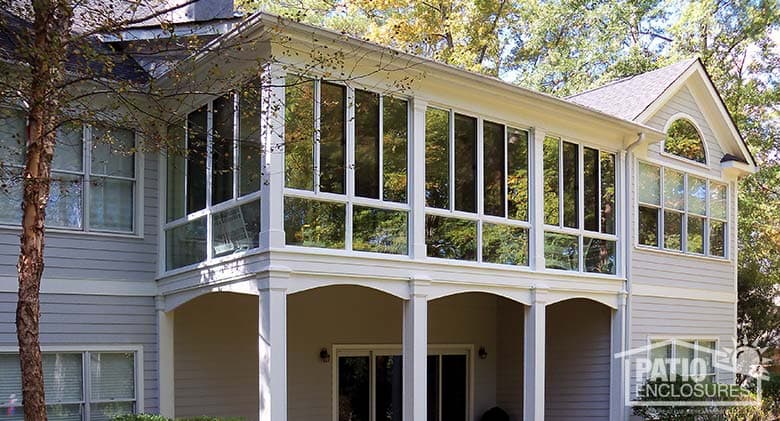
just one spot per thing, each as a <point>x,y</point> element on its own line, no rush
<point>389,388</point>
<point>697,195</point>
<point>112,375</point>
<point>493,172</point>
<point>561,251</point>
<point>366,144</point>
<point>504,244</point>
<point>433,388</point>
<point>65,201</point>
<point>648,226</point>
<point>660,352</point>
<point>111,204</point>
<point>249,140</point>
<point>63,412</point>
<point>706,350</point>
<point>718,208</point>
<point>683,352</point>
<point>62,377</point>
<point>11,197</point>
<point>110,410</point>
<point>682,139</point>
<point>465,163</point>
<point>69,148</point>
<point>599,255</point>
<point>451,238</point>
<point>176,162</point>
<point>313,223</point>
<point>695,243</point>
<point>379,230</point>
<point>649,184</point>
<point>517,179</point>
<point>13,137</point>
<point>551,181</point>
<point>591,187</point>
<point>186,244</point>
<point>10,381</point>
<point>608,193</point>
<point>674,189</point>
<point>354,388</point>
<point>236,229</point>
<point>113,152</point>
<point>717,238</point>
<point>673,230</point>
<point>196,160</point>
<point>571,200</point>
<point>453,387</point>
<point>299,134</point>
<point>222,150</point>
<point>395,137</point>
<point>437,158</point>
<point>333,137</point>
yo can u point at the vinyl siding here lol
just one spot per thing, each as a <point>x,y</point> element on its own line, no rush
<point>93,320</point>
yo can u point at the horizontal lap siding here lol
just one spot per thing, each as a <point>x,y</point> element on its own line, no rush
<point>663,269</point>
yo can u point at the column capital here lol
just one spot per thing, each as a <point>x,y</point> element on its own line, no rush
<point>159,303</point>
<point>275,277</point>
<point>419,285</point>
<point>540,293</point>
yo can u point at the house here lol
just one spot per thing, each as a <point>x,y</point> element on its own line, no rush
<point>404,241</point>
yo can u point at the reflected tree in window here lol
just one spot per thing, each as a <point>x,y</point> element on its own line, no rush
<point>395,125</point>
<point>684,140</point>
<point>437,158</point>
<point>379,230</point>
<point>451,238</point>
<point>517,177</point>
<point>299,134</point>
<point>314,223</point>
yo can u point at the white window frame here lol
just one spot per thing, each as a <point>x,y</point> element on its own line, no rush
<point>696,347</point>
<point>692,120</point>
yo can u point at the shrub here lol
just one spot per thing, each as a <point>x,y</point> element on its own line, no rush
<point>705,408</point>
<point>155,417</point>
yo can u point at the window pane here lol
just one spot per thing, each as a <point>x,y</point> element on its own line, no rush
<point>591,186</point>
<point>186,244</point>
<point>551,181</point>
<point>175,161</point>
<point>599,255</point>
<point>110,410</point>
<point>71,412</point>
<point>571,165</point>
<point>112,375</point>
<point>236,229</point>
<point>648,226</point>
<point>222,150</point>
<point>437,158</point>
<point>10,380</point>
<point>493,172</point>
<point>333,137</point>
<point>706,350</point>
<point>504,244</point>
<point>65,201</point>
<point>465,163</point>
<point>113,152</point>
<point>561,251</point>
<point>11,197</point>
<point>695,242</point>
<point>13,137</point>
<point>683,351</point>
<point>379,230</point>
<point>718,200</point>
<point>660,353</point>
<point>673,230</point>
<point>69,149</point>
<point>249,140</point>
<point>196,160</point>
<point>697,195</point>
<point>682,139</point>
<point>433,388</point>
<point>451,238</point>
<point>453,387</point>
<point>314,223</point>
<point>354,388</point>
<point>111,204</point>
<point>649,184</point>
<point>299,134</point>
<point>717,238</point>
<point>395,123</point>
<point>608,193</point>
<point>517,179</point>
<point>62,377</point>
<point>366,144</point>
<point>674,189</point>
<point>389,388</point>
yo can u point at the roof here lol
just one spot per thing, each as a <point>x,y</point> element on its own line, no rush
<point>628,97</point>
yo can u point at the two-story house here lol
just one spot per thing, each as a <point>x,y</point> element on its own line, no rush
<point>409,241</point>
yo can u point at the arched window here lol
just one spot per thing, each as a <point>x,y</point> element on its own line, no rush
<point>684,140</point>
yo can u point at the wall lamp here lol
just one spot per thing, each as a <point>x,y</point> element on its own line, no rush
<point>324,356</point>
<point>482,353</point>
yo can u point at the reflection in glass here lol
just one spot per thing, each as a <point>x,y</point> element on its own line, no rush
<point>673,230</point>
<point>112,152</point>
<point>718,200</point>
<point>185,244</point>
<point>504,244</point>
<point>551,181</point>
<point>69,148</point>
<point>683,139</point>
<point>599,255</point>
<point>717,238</point>
<point>608,188</point>
<point>236,229</point>
<point>196,160</point>
<point>493,173</point>
<point>395,125</point>
<point>366,144</point>
<point>437,161</point>
<point>379,230</point>
<point>561,251</point>
<point>299,133</point>
<point>176,162</point>
<point>222,150</point>
<point>649,184</point>
<point>65,201</point>
<point>354,388</point>
<point>674,189</point>
<point>517,177</point>
<point>571,200</point>
<point>112,375</point>
<point>389,388</point>
<point>314,223</point>
<point>333,137</point>
<point>697,195</point>
<point>451,238</point>
<point>249,141</point>
<point>591,189</point>
<point>695,243</point>
<point>465,163</point>
<point>111,204</point>
<point>648,226</point>
<point>107,411</point>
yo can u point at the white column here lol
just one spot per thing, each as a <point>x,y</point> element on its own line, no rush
<point>417,178</point>
<point>617,411</point>
<point>415,352</point>
<point>533,364</point>
<point>272,187</point>
<point>272,351</point>
<point>537,198</point>
<point>165,326</point>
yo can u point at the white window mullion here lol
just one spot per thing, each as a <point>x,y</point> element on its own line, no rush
<point>86,143</point>
<point>506,172</point>
<point>684,232</point>
<point>480,183</point>
<point>560,183</point>
<point>350,163</point>
<point>236,141</point>
<point>451,157</point>
<point>382,148</point>
<point>209,181</point>
<point>599,193</point>
<point>662,214</point>
<point>87,387</point>
<point>317,135</point>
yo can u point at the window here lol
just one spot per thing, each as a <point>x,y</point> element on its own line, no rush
<point>579,207</point>
<point>105,389</point>
<point>320,205</point>
<point>681,212</point>
<point>684,140</point>
<point>93,179</point>
<point>213,181</point>
<point>676,352</point>
<point>457,227</point>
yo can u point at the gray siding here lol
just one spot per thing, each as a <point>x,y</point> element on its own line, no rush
<point>685,271</point>
<point>92,320</point>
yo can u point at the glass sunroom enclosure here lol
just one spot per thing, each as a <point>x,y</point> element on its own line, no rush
<point>342,162</point>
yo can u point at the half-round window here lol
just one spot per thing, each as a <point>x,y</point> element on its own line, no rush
<point>684,140</point>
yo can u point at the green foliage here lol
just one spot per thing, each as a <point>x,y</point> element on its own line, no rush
<point>683,139</point>
<point>706,408</point>
<point>155,417</point>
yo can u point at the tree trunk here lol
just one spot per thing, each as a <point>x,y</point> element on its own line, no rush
<point>46,56</point>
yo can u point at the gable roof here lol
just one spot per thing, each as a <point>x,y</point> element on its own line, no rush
<point>628,97</point>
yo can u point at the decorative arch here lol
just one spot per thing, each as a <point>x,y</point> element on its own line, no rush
<point>594,298</point>
<point>684,139</point>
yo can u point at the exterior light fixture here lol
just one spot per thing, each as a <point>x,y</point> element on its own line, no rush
<point>482,353</point>
<point>324,356</point>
